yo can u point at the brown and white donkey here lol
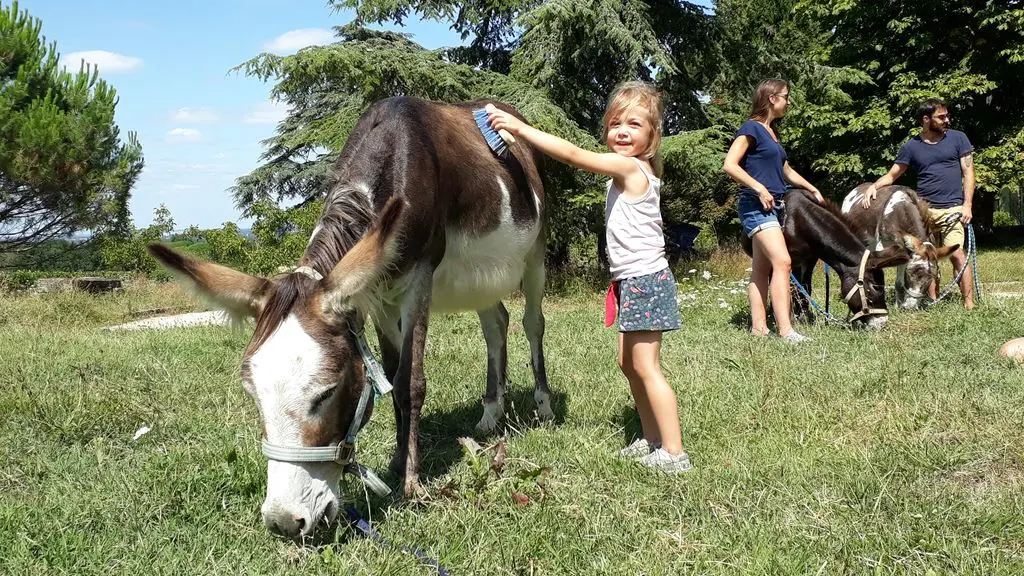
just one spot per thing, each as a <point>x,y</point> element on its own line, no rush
<point>420,216</point>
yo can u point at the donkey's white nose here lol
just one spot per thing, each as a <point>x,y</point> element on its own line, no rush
<point>288,521</point>
<point>877,322</point>
<point>909,303</point>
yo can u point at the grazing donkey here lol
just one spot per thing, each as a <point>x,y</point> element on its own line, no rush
<point>897,217</point>
<point>420,216</point>
<point>820,232</point>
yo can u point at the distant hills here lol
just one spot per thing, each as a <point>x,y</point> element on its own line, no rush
<point>84,235</point>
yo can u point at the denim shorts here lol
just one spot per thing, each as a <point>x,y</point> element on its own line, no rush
<point>753,216</point>
<point>648,303</point>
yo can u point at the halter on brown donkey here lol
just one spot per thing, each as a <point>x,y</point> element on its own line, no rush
<point>897,217</point>
<point>820,232</point>
<point>420,216</point>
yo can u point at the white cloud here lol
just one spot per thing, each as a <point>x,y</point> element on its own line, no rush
<point>204,115</point>
<point>176,169</point>
<point>295,40</point>
<point>107,62</point>
<point>267,113</point>
<point>184,135</point>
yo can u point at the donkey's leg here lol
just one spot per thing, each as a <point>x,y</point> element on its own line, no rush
<point>808,282</point>
<point>804,272</point>
<point>494,323</point>
<point>389,334</point>
<point>410,384</point>
<point>901,283</point>
<point>533,324</point>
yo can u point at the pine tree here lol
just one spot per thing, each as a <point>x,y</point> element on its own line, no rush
<point>555,61</point>
<point>63,167</point>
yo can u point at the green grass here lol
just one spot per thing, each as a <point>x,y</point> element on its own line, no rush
<point>897,452</point>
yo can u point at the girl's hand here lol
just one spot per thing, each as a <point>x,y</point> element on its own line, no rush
<point>817,195</point>
<point>767,200</point>
<point>501,120</point>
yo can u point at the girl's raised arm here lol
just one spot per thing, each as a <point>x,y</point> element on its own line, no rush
<point>609,164</point>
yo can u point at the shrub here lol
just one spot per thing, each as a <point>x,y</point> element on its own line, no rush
<point>1003,219</point>
<point>20,280</point>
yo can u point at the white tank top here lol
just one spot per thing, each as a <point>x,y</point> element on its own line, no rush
<point>633,230</point>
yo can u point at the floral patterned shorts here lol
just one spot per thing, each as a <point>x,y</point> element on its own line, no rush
<point>645,303</point>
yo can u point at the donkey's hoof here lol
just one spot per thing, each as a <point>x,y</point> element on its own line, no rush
<point>493,411</point>
<point>544,412</point>
<point>487,423</point>
<point>412,490</point>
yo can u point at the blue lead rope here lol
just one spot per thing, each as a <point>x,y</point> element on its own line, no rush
<point>974,261</point>
<point>971,259</point>
<point>360,524</point>
<point>828,317</point>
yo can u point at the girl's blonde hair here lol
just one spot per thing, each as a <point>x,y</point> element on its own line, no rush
<point>636,93</point>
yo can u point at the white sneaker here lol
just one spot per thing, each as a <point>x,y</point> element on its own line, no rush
<point>666,462</point>
<point>637,449</point>
<point>795,337</point>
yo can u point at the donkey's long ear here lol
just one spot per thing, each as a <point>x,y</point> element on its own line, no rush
<point>238,293</point>
<point>364,265</point>
<point>891,256</point>
<point>912,243</point>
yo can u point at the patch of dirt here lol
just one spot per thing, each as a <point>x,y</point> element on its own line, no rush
<point>215,318</point>
<point>982,481</point>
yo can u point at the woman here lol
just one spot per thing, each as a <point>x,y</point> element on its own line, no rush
<point>758,163</point>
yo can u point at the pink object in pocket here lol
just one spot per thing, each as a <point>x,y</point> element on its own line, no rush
<point>611,303</point>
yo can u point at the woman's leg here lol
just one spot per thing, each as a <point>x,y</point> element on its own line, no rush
<point>651,391</point>
<point>773,246</point>
<point>757,290</point>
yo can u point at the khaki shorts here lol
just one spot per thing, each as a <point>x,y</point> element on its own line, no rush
<point>951,230</point>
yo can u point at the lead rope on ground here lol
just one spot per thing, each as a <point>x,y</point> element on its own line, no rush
<point>364,527</point>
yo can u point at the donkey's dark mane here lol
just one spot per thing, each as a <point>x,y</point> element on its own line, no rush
<point>836,211</point>
<point>347,215</point>
<point>280,301</point>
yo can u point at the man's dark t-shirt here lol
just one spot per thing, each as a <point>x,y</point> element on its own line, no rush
<point>939,175</point>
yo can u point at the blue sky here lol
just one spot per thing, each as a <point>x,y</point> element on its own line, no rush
<point>200,126</point>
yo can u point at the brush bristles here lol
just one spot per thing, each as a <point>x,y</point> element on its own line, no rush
<point>494,140</point>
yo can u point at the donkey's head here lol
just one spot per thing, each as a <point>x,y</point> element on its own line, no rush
<point>302,366</point>
<point>864,287</point>
<point>922,269</point>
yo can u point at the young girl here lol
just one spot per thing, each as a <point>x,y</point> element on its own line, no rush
<point>758,162</point>
<point>642,281</point>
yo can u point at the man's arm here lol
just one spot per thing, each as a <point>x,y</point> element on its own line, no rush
<point>888,178</point>
<point>967,166</point>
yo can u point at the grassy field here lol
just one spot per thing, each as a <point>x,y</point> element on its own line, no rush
<point>900,452</point>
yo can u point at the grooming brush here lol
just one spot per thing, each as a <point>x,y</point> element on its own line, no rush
<point>500,140</point>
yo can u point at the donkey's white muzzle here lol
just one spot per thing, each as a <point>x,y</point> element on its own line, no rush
<point>299,497</point>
